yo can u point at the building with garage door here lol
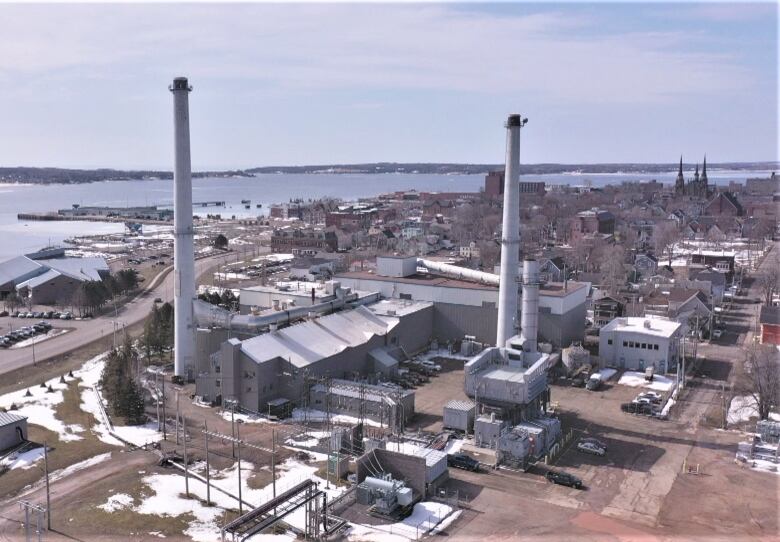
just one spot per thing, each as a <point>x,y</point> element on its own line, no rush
<point>13,430</point>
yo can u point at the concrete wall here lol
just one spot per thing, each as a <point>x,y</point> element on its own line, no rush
<point>9,436</point>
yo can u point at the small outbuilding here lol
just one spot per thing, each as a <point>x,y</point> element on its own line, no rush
<point>13,430</point>
<point>459,414</point>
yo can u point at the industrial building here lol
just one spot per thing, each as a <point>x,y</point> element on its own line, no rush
<point>423,469</point>
<point>48,277</point>
<point>466,302</point>
<point>13,430</point>
<point>637,343</point>
<point>294,362</point>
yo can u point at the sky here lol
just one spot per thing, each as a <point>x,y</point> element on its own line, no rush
<point>292,84</point>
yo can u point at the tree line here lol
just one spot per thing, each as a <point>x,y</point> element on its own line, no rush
<point>157,338</point>
<point>119,387</point>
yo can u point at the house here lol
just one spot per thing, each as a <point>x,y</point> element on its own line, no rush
<point>645,265</point>
<point>770,325</point>
<point>688,306</point>
<point>721,261</point>
<point>469,251</point>
<point>713,281</point>
<point>724,204</point>
<point>606,309</point>
<point>678,215</point>
<point>594,221</point>
<point>552,269</point>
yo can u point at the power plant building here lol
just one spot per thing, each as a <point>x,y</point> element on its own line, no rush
<point>467,306</point>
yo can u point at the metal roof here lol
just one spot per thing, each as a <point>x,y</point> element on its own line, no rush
<point>460,405</point>
<point>11,270</point>
<point>9,418</point>
<point>79,268</point>
<point>40,279</point>
<point>313,340</point>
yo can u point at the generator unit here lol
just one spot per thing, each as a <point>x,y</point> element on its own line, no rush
<point>384,494</point>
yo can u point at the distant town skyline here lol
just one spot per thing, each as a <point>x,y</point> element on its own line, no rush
<point>85,86</point>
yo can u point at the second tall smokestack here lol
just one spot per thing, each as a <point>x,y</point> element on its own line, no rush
<point>510,235</point>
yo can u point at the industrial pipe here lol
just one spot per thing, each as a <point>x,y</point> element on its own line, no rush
<point>530,316</point>
<point>458,272</point>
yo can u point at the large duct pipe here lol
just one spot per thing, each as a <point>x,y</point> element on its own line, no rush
<point>530,318</point>
<point>510,235</point>
<point>209,315</point>
<point>461,273</point>
<point>184,255</point>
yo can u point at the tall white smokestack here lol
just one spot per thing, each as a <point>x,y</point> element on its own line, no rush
<point>530,318</point>
<point>510,234</point>
<point>184,261</point>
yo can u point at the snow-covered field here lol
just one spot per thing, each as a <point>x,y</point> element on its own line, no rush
<point>23,460</point>
<point>744,407</point>
<point>40,407</point>
<point>636,380</point>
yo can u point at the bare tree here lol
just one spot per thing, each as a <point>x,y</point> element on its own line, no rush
<point>769,279</point>
<point>665,236</point>
<point>761,378</point>
<point>613,271</point>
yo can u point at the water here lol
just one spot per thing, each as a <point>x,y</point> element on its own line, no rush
<point>26,236</point>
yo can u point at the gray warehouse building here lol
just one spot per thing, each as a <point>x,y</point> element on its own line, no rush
<point>288,363</point>
<point>465,307</point>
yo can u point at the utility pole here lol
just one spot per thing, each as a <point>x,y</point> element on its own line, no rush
<point>48,493</point>
<point>208,473</point>
<point>273,459</point>
<point>186,473</point>
<point>165,420</point>
<point>240,500</point>
<point>177,418</point>
<point>233,428</point>
<point>157,402</point>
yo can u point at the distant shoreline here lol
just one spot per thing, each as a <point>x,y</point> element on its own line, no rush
<point>25,176</point>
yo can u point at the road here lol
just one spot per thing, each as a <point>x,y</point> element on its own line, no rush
<point>132,312</point>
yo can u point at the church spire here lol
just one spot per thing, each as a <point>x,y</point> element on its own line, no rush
<point>704,169</point>
<point>696,174</point>
<point>679,184</point>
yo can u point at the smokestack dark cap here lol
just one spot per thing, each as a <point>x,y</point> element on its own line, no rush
<point>180,83</point>
<point>513,120</point>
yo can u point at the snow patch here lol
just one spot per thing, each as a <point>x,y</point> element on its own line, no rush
<point>427,516</point>
<point>635,380</point>
<point>116,502</point>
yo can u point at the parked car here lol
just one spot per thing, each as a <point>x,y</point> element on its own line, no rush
<point>158,300</point>
<point>66,316</point>
<point>563,479</point>
<point>578,382</point>
<point>717,334</point>
<point>595,441</point>
<point>431,365</point>
<point>592,448</point>
<point>463,461</point>
<point>3,313</point>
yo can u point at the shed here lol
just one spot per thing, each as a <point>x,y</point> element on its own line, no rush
<point>459,415</point>
<point>13,430</point>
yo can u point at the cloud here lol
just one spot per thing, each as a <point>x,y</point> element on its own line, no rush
<point>311,48</point>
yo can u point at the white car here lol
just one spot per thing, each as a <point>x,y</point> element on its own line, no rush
<point>717,334</point>
<point>431,365</point>
<point>590,447</point>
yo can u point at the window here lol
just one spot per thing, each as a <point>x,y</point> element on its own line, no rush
<point>609,341</point>
<point>644,346</point>
<point>219,383</point>
<point>405,296</point>
<point>631,344</point>
<point>655,347</point>
<point>625,344</point>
